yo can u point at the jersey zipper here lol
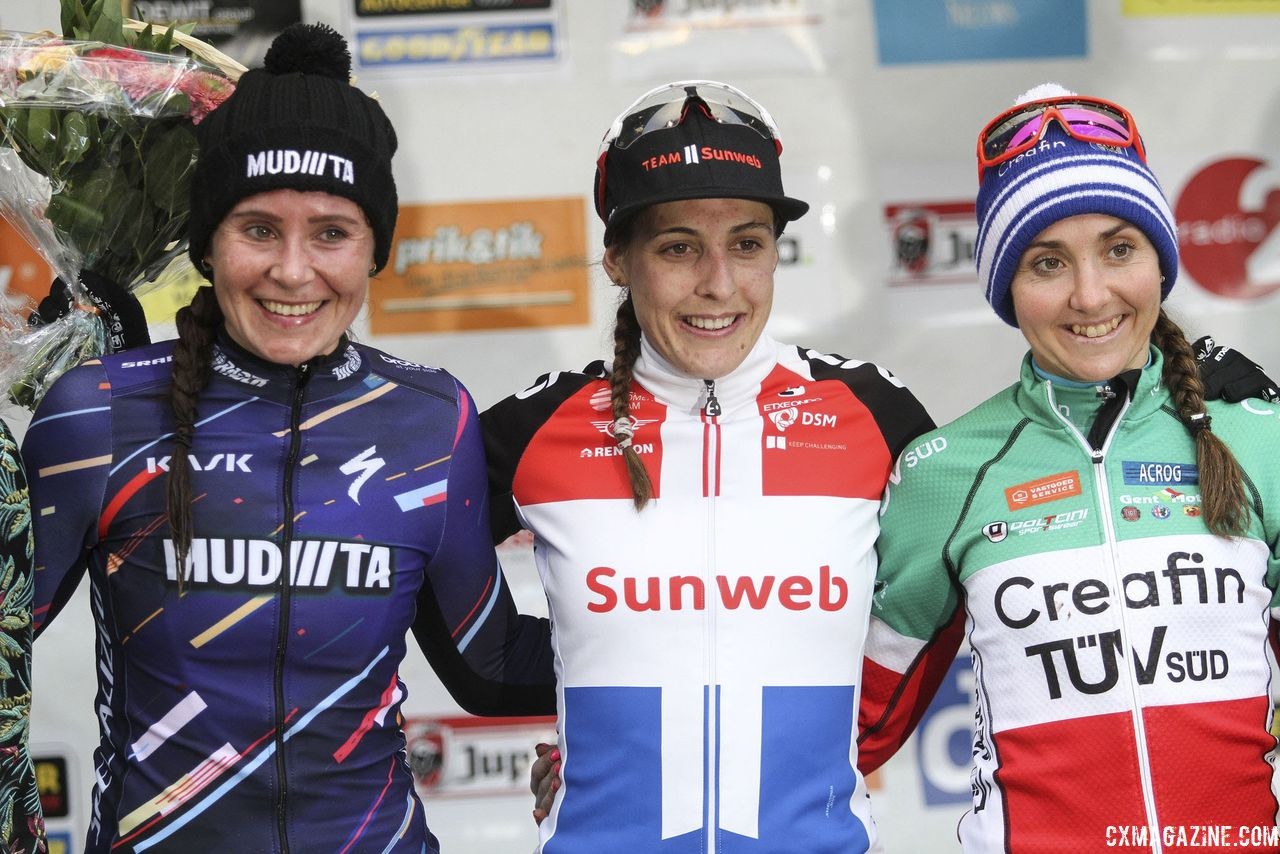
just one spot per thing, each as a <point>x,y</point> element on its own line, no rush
<point>710,489</point>
<point>286,588</point>
<point>1097,455</point>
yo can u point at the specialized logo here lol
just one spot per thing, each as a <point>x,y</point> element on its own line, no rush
<point>249,564</point>
<point>1043,490</point>
<point>1160,474</point>
<point>287,161</point>
<point>363,465</point>
<point>224,366</point>
<point>827,592</point>
<point>232,462</point>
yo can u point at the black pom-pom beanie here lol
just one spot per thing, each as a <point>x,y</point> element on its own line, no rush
<point>296,124</point>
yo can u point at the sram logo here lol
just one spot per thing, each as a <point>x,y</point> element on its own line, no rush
<point>218,462</point>
<point>828,592</point>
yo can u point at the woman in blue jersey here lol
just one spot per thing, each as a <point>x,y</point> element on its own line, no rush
<point>264,508</point>
<point>704,510</point>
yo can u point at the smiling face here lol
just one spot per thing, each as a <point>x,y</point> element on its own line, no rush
<point>1086,295</point>
<point>291,271</point>
<point>701,277</point>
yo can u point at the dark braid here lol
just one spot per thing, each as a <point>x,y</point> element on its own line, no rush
<point>192,355</point>
<point>626,349</point>
<point>1226,510</point>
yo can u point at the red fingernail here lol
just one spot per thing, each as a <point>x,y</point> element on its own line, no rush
<point>555,755</point>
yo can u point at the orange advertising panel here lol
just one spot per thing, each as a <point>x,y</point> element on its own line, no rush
<point>23,273</point>
<point>484,265</point>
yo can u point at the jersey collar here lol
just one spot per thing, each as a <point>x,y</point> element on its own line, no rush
<point>688,394</point>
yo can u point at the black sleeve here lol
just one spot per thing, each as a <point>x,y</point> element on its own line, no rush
<point>509,426</point>
<point>900,417</point>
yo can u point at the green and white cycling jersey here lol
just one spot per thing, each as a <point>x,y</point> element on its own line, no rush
<point>1122,653</point>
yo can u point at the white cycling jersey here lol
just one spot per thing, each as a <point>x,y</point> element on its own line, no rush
<point>708,647</point>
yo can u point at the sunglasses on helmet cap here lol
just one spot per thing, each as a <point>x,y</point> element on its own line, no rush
<point>666,106</point>
<point>1021,127</point>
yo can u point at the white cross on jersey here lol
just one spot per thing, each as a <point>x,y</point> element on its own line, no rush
<point>741,650</point>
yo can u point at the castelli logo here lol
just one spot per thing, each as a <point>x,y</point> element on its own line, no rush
<point>1227,216</point>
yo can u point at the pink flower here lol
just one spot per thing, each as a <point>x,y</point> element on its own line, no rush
<point>206,92</point>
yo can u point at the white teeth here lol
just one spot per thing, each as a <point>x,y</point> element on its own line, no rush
<point>1096,330</point>
<point>709,323</point>
<point>289,309</point>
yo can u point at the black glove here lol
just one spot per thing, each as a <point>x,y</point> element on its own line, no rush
<point>1230,375</point>
<point>121,313</point>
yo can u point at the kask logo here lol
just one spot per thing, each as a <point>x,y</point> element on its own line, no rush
<point>1227,236</point>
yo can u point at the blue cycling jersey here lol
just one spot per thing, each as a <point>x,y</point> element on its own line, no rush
<point>335,506</point>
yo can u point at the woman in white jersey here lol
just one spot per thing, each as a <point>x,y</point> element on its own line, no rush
<point>704,508</point>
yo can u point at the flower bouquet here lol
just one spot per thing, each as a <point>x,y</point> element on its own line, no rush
<point>96,156</point>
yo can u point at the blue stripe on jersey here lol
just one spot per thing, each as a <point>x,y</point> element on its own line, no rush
<point>613,776</point>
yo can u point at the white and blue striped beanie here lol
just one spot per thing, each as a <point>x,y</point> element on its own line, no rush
<point>1059,178</point>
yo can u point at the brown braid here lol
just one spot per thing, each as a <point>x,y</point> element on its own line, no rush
<point>1226,510</point>
<point>626,349</point>
<point>192,356</point>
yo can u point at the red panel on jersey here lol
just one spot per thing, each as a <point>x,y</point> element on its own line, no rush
<point>819,439</point>
<point>1063,800</point>
<point>558,466</point>
<point>1206,761</point>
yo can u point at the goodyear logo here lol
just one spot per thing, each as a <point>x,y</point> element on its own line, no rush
<point>457,45</point>
<point>1160,474</point>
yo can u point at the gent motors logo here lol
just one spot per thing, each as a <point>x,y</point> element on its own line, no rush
<point>1227,236</point>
